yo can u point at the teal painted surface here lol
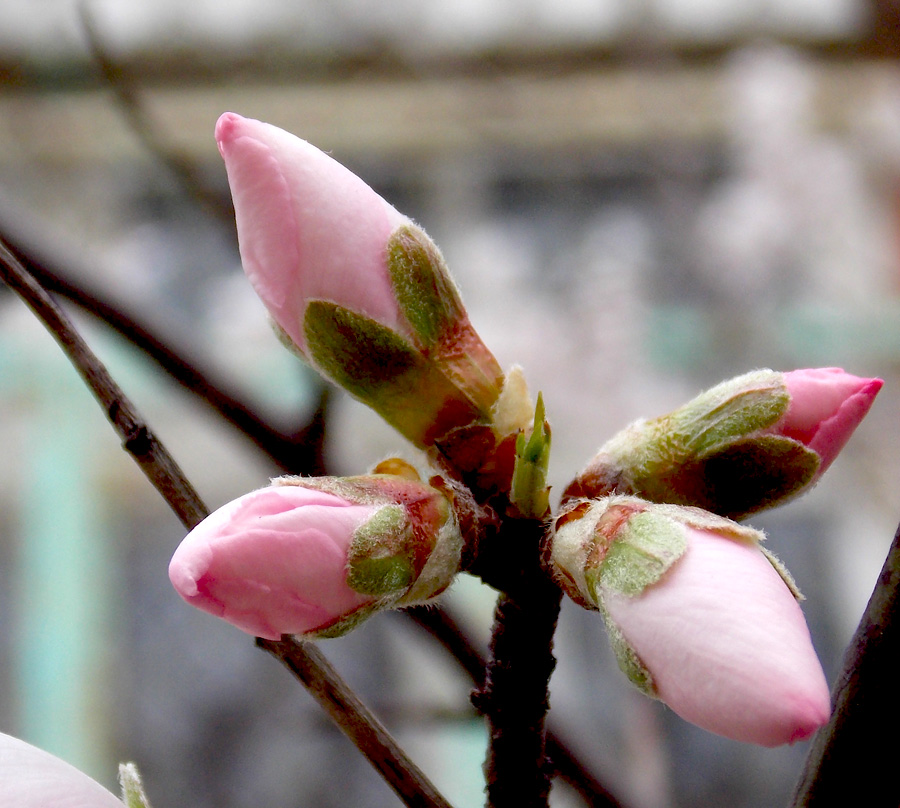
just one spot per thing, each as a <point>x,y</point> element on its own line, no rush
<point>63,569</point>
<point>684,337</point>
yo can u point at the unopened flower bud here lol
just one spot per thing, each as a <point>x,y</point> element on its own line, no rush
<point>698,615</point>
<point>354,286</point>
<point>747,444</point>
<point>315,556</point>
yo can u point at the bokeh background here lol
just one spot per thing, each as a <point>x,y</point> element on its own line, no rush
<point>638,198</point>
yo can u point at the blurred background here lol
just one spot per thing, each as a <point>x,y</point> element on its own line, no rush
<point>638,198</point>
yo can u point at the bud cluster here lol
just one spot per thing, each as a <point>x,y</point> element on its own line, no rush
<point>698,613</point>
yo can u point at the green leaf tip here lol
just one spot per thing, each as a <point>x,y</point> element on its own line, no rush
<point>530,493</point>
<point>132,788</point>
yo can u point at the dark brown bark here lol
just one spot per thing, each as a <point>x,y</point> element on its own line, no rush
<point>856,752</point>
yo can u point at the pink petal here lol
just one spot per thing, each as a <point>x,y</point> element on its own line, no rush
<point>308,228</point>
<point>33,778</point>
<point>272,562</point>
<point>826,406</point>
<point>727,644</point>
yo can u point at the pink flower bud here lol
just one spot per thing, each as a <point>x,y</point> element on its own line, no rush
<point>308,228</point>
<point>358,289</point>
<point>33,778</point>
<point>699,616</point>
<point>317,556</point>
<point>747,444</point>
<point>826,406</point>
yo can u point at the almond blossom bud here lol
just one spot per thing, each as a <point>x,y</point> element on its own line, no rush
<point>826,406</point>
<point>316,556</point>
<point>33,778</point>
<point>747,444</point>
<point>356,287</point>
<point>698,615</point>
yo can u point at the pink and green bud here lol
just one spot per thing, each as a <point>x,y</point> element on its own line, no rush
<point>33,778</point>
<point>354,286</point>
<point>316,556</point>
<point>698,615</point>
<point>747,444</point>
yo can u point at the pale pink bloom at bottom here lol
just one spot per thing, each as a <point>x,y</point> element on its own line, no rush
<point>33,778</point>
<point>726,644</point>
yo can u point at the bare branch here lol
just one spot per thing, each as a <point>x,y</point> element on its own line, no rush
<point>128,98</point>
<point>137,439</point>
<point>514,698</point>
<point>441,625</point>
<point>306,662</point>
<point>856,745</point>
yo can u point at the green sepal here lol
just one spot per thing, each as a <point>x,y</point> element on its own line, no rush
<point>385,371</point>
<point>757,473</point>
<point>287,341</point>
<point>712,453</point>
<point>425,292</point>
<point>629,662</point>
<point>726,412</point>
<point>735,480</point>
<point>643,550</point>
<point>783,572</point>
<point>732,411</point>
<point>530,493</point>
<point>442,565</point>
<point>349,622</point>
<point>358,353</point>
<point>132,788</point>
<point>380,576</point>
<point>378,563</point>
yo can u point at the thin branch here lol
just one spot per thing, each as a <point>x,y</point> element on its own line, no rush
<point>443,627</point>
<point>515,696</point>
<point>128,98</point>
<point>326,686</point>
<point>137,439</point>
<point>856,752</point>
<point>306,662</point>
<point>299,452</point>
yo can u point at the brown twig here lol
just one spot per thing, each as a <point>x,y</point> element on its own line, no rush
<point>128,98</point>
<point>137,439</point>
<point>328,688</point>
<point>306,662</point>
<point>443,627</point>
<point>857,750</point>
<point>515,696</point>
<point>298,452</point>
